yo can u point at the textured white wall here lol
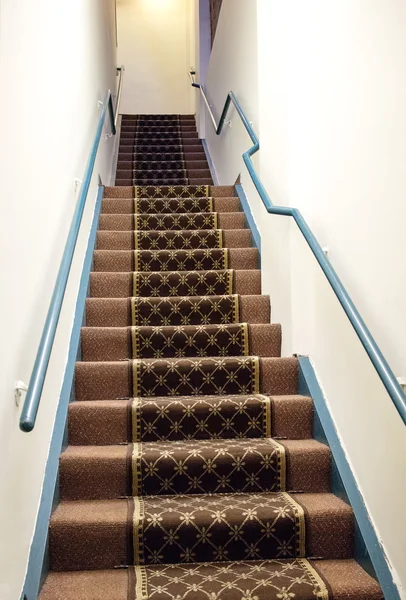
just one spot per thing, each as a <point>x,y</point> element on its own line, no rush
<point>156,44</point>
<point>233,65</point>
<point>324,85</point>
<point>56,61</point>
<point>332,91</point>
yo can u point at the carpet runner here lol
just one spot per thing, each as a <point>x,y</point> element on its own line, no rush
<point>191,472</point>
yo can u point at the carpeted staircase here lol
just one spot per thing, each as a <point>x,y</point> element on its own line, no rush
<point>190,471</point>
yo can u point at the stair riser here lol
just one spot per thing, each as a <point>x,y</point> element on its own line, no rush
<point>120,285</point>
<point>129,131</point>
<point>116,312</point>
<point>124,240</point>
<point>122,261</point>
<point>111,344</point>
<point>189,155</point>
<point>109,222</point>
<point>132,175</point>
<point>151,118</point>
<point>139,165</point>
<point>106,474</point>
<point>190,181</point>
<point>95,545</point>
<point>109,422</point>
<point>186,139</point>
<point>215,191</point>
<point>125,206</point>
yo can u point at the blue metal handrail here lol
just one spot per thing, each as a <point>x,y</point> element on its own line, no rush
<point>381,365</point>
<point>33,397</point>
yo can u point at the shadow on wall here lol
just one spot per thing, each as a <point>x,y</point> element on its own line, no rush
<point>215,7</point>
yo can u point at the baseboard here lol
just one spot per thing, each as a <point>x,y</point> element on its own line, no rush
<point>114,160</point>
<point>38,560</point>
<point>256,236</point>
<point>210,162</point>
<point>368,550</point>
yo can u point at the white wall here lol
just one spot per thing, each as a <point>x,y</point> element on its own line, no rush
<point>324,85</point>
<point>233,65</point>
<point>333,144</point>
<point>56,61</point>
<point>156,44</point>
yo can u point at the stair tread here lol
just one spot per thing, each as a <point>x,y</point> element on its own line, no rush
<point>112,378</point>
<point>75,512</point>
<point>316,525</point>
<point>345,578</point>
<point>215,466</point>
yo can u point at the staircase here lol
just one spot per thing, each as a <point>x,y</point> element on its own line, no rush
<point>190,472</point>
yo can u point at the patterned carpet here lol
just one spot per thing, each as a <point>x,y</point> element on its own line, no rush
<point>191,472</point>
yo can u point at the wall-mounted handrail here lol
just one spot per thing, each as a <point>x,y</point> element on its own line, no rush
<point>36,384</point>
<point>120,87</point>
<point>381,365</point>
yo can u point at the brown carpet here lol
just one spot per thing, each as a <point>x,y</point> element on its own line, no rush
<point>191,472</point>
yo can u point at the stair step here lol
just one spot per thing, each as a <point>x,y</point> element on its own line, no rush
<point>204,528</point>
<point>140,156</point>
<point>189,191</point>
<point>140,175</point>
<point>154,128</point>
<point>164,142</point>
<point>185,310</point>
<point>130,206</point>
<point>171,221</point>
<point>175,283</point>
<point>173,260</point>
<point>121,343</point>
<point>171,240</point>
<point>146,118</point>
<point>104,422</point>
<point>228,581</point>
<point>193,467</point>
<point>144,150</point>
<point>140,164</point>
<point>183,377</point>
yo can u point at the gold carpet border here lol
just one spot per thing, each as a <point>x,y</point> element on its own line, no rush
<point>141,583</point>
<point>136,419</point>
<point>230,274</point>
<point>136,470</point>
<point>245,339</point>
<point>281,464</point>
<point>136,377</point>
<point>267,414</point>
<point>322,592</point>
<point>236,306</point>
<point>300,525</point>
<point>138,519</point>
<point>255,368</point>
